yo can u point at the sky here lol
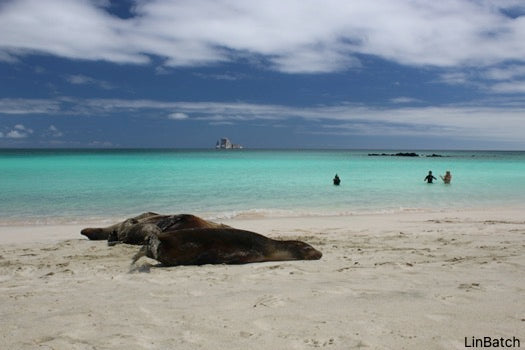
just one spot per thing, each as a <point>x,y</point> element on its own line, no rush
<point>345,74</point>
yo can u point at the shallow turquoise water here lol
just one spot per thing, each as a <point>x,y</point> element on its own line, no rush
<point>69,186</point>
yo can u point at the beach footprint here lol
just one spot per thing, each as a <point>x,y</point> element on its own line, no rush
<point>269,301</point>
<point>317,343</point>
<point>468,287</point>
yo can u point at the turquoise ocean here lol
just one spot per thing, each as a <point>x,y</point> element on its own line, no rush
<point>75,186</point>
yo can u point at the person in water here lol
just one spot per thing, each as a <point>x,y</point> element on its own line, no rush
<point>446,179</point>
<point>429,177</point>
<point>337,180</point>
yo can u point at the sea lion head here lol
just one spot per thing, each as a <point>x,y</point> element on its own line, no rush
<point>302,251</point>
<point>95,233</point>
<point>110,233</point>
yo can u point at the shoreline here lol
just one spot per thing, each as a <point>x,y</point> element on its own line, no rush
<point>19,232</point>
<point>249,214</point>
<point>385,281</point>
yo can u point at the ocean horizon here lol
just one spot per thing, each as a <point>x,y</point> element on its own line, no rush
<point>81,185</point>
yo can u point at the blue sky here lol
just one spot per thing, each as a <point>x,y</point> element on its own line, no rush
<point>383,74</point>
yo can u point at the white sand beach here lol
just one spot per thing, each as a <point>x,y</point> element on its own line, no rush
<point>385,281</point>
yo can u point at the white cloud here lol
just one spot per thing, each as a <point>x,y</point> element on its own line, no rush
<point>219,123</point>
<point>507,73</point>
<point>499,80</point>
<point>454,78</point>
<point>80,79</point>
<point>230,76</point>
<point>54,132</point>
<point>403,99</point>
<point>512,87</point>
<point>19,131</point>
<point>28,106</point>
<point>7,57</point>
<point>74,29</point>
<point>15,134</point>
<point>101,144</point>
<point>503,123</point>
<point>178,116</point>
<point>294,36</point>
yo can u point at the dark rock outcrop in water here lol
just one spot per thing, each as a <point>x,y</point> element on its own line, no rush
<point>403,154</point>
<point>399,154</point>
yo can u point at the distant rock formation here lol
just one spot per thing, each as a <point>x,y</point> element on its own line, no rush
<point>225,143</point>
<point>403,154</point>
<point>400,154</point>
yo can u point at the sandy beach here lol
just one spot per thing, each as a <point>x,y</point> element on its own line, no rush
<point>387,281</point>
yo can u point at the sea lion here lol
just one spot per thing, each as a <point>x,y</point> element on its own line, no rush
<point>134,230</point>
<point>199,246</point>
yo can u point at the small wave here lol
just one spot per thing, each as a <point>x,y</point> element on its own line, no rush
<point>285,213</point>
<point>55,220</point>
<point>252,213</point>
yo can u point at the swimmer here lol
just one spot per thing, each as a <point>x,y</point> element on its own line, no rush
<point>429,177</point>
<point>446,179</point>
<point>337,180</point>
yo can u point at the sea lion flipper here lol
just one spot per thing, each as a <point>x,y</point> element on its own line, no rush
<point>140,254</point>
<point>149,249</point>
